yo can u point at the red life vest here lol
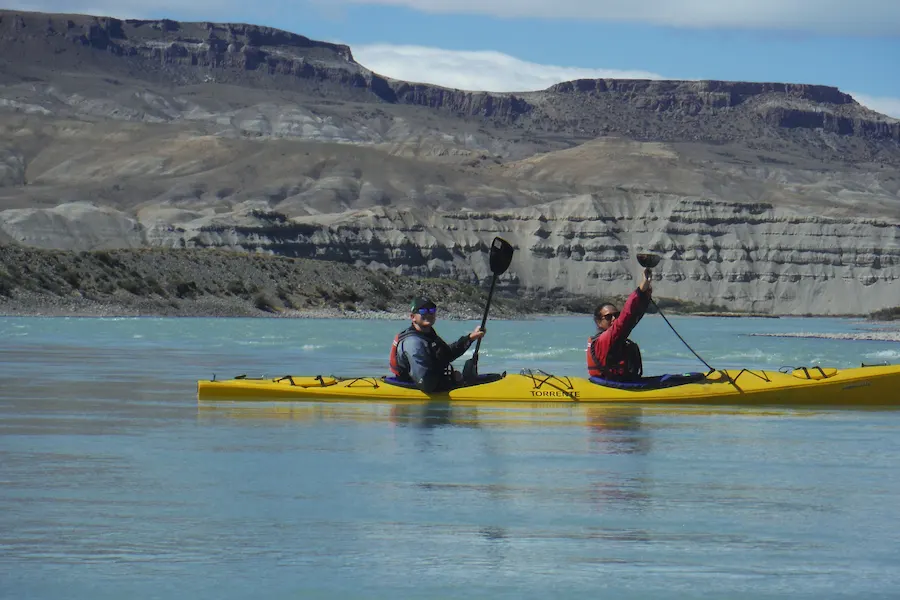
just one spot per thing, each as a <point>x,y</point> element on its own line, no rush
<point>395,365</point>
<point>622,362</point>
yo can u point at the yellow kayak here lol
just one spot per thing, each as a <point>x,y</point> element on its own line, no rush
<point>863,387</point>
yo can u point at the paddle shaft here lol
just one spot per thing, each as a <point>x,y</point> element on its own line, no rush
<point>487,307</point>
<point>499,260</point>
<point>679,336</point>
<point>649,273</point>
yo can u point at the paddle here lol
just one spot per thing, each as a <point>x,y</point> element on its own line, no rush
<point>501,257</point>
<point>648,261</point>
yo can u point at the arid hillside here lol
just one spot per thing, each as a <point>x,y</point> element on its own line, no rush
<point>770,197</point>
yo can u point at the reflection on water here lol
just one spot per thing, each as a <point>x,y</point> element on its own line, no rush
<point>431,414</point>
<point>426,415</point>
<point>600,419</point>
<point>617,430</point>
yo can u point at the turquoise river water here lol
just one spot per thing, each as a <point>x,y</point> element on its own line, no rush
<point>116,483</point>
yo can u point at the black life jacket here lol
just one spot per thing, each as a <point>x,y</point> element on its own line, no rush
<point>437,349</point>
<point>622,362</point>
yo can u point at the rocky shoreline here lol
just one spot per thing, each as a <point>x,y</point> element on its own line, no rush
<point>33,305</point>
<point>872,336</point>
<point>218,283</point>
<point>222,283</point>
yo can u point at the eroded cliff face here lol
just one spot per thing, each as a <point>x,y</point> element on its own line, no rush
<point>744,257</point>
<point>740,256</point>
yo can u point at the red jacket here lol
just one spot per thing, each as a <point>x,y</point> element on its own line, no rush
<point>607,355</point>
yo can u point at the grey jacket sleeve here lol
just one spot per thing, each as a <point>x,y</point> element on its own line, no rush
<point>459,347</point>
<point>424,374</point>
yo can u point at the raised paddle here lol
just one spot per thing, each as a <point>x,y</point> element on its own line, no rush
<point>501,257</point>
<point>648,261</point>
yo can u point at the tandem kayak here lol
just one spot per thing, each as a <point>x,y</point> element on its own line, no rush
<point>866,386</point>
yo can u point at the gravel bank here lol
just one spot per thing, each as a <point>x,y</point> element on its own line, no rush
<point>217,283</point>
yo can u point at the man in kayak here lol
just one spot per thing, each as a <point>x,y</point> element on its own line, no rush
<point>420,356</point>
<point>610,354</point>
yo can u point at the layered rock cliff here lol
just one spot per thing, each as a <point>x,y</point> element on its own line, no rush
<point>770,197</point>
<point>743,257</point>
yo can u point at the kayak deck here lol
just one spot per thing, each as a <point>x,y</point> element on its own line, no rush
<point>868,386</point>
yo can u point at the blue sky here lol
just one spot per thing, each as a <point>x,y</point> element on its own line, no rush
<point>518,45</point>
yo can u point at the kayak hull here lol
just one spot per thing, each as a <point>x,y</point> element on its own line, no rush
<point>876,386</point>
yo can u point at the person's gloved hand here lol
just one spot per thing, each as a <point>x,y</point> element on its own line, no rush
<point>645,283</point>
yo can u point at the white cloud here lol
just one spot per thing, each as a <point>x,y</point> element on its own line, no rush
<point>883,104</point>
<point>871,17</point>
<point>475,70</point>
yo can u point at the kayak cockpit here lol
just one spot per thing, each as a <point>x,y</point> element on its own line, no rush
<point>481,379</point>
<point>651,383</point>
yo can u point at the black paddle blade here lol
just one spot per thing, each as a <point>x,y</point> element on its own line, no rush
<point>648,261</point>
<point>470,370</point>
<point>501,256</point>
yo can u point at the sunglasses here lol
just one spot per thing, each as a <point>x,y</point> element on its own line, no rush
<point>427,311</point>
<point>610,316</point>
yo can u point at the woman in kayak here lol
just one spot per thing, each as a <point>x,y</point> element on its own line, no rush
<point>420,356</point>
<point>610,354</point>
